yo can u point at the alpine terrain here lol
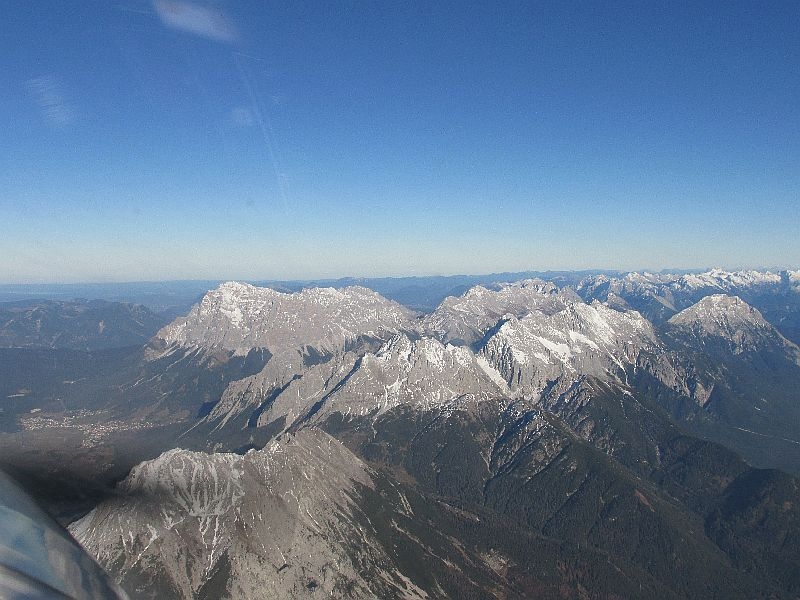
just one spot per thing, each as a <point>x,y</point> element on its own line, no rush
<point>624,436</point>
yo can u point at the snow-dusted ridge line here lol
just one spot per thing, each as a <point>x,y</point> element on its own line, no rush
<point>713,279</point>
<point>508,340</point>
<point>581,339</point>
<point>467,317</point>
<point>240,317</point>
<point>423,374</point>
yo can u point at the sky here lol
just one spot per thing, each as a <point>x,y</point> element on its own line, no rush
<point>168,139</point>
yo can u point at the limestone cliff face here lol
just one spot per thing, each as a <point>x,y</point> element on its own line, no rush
<point>273,523</point>
<point>239,317</point>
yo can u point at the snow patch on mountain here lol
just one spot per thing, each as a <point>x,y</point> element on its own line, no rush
<point>467,317</point>
<point>580,339</point>
<point>423,374</point>
<point>732,320</point>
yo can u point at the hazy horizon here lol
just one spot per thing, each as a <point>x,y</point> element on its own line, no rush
<point>169,139</point>
<point>667,270</point>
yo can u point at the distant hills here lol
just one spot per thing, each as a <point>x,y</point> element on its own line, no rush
<point>75,324</point>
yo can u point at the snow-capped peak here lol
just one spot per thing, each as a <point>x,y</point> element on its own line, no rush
<point>580,339</point>
<point>467,317</point>
<point>727,318</point>
<point>720,314</point>
<point>239,317</point>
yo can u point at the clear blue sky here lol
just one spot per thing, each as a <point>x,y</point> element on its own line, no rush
<point>176,140</point>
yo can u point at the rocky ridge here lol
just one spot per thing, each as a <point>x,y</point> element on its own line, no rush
<point>281,522</point>
<point>466,318</point>
<point>731,321</point>
<point>542,335</point>
<point>239,317</point>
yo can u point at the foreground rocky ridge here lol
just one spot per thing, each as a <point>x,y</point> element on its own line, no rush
<point>281,522</point>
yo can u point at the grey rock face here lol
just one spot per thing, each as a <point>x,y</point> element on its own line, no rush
<point>578,340</point>
<point>285,388</point>
<point>239,317</point>
<point>729,320</point>
<point>276,523</point>
<point>422,374</point>
<point>467,317</point>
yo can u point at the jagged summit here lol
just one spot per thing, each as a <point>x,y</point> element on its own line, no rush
<point>422,374</point>
<point>729,319</point>
<point>720,309</point>
<point>580,339</point>
<point>271,521</point>
<point>239,317</point>
<point>715,278</point>
<point>467,317</point>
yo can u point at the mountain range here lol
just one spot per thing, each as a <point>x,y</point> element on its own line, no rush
<point>631,436</point>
